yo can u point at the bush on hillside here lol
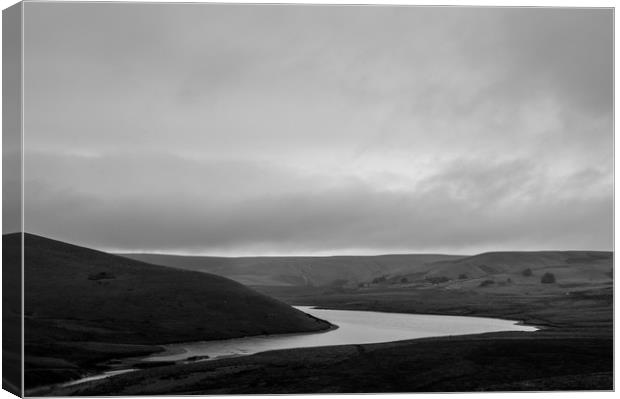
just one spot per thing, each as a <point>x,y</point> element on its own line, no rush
<point>437,280</point>
<point>101,276</point>
<point>547,278</point>
<point>527,272</point>
<point>486,283</point>
<point>378,280</point>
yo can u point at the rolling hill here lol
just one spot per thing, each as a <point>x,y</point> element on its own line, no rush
<point>83,306</point>
<point>570,268</point>
<point>347,271</point>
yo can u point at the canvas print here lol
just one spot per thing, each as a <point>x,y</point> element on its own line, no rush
<point>205,199</point>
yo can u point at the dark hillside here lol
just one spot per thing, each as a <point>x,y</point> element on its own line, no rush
<point>83,305</point>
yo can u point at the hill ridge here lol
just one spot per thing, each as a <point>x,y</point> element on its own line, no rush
<point>83,306</point>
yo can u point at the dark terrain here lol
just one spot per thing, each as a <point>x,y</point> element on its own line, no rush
<point>487,362</point>
<point>572,351</point>
<point>11,319</point>
<point>84,307</point>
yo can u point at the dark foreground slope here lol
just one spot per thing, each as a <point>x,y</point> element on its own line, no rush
<point>489,362</point>
<point>12,320</point>
<point>83,306</point>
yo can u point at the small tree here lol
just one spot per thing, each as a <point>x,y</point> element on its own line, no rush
<point>547,278</point>
<point>527,272</point>
<point>404,280</point>
<point>378,280</point>
<point>462,276</point>
<point>486,283</point>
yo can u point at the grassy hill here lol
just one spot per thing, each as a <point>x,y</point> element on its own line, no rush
<point>347,271</point>
<point>573,350</point>
<point>503,270</point>
<point>83,306</point>
<point>506,271</point>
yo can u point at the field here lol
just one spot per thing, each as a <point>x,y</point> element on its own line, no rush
<point>493,362</point>
<point>573,350</point>
<point>114,308</point>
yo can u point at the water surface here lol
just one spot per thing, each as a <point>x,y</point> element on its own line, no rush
<point>354,327</point>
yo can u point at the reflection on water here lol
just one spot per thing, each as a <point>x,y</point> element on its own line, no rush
<point>97,377</point>
<point>354,327</point>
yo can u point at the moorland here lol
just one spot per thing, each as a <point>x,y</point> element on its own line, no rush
<point>567,294</point>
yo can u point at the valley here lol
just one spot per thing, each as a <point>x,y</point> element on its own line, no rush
<point>112,308</point>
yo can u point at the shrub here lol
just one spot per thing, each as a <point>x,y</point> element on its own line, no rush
<point>547,278</point>
<point>437,280</point>
<point>101,276</point>
<point>404,280</point>
<point>527,272</point>
<point>462,276</point>
<point>486,283</point>
<point>378,280</point>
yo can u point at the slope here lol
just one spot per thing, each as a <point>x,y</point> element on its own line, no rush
<point>347,271</point>
<point>82,305</point>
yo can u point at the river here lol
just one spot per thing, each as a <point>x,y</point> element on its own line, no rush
<point>354,327</point>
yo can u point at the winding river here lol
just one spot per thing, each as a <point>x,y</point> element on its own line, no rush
<point>354,327</point>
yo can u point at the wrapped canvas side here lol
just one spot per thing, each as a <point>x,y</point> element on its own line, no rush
<point>12,227</point>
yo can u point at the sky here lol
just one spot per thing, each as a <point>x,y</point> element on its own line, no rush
<point>318,130</point>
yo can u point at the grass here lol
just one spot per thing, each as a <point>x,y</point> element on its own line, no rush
<point>83,307</point>
<point>500,361</point>
<point>300,270</point>
<point>572,351</point>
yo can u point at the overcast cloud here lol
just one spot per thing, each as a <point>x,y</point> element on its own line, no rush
<point>246,129</point>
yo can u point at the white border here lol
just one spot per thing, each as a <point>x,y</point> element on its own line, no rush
<point>488,3</point>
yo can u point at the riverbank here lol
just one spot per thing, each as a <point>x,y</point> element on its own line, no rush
<point>497,361</point>
<point>589,308</point>
<point>349,328</point>
<point>573,352</point>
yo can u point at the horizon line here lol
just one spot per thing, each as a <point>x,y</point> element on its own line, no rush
<point>317,254</point>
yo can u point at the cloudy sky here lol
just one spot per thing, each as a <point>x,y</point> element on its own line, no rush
<point>250,130</point>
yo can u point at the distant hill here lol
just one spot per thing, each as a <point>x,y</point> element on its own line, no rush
<point>348,271</point>
<point>450,271</point>
<point>81,303</point>
<point>569,268</point>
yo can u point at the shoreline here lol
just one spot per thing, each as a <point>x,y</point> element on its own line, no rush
<point>142,363</point>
